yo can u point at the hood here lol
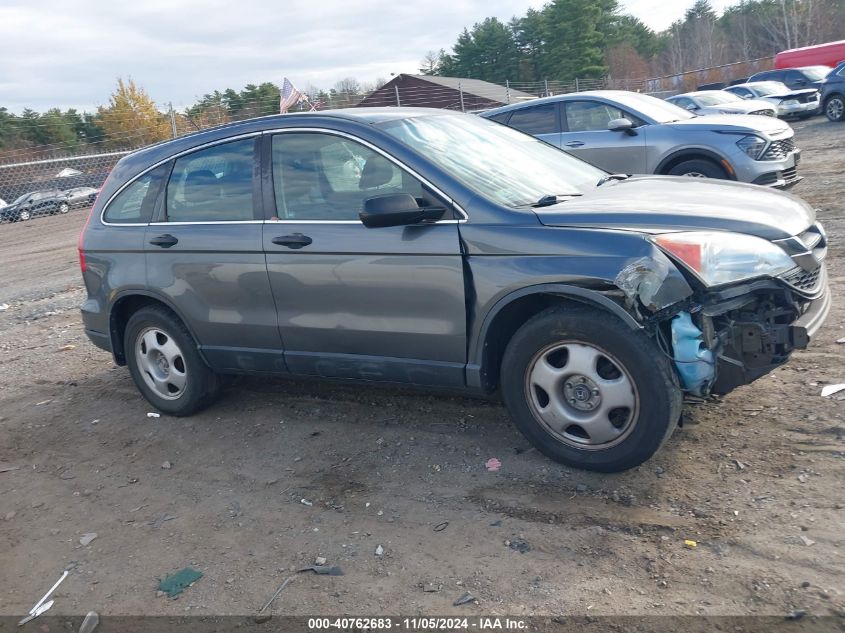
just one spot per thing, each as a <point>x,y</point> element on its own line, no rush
<point>792,93</point>
<point>739,123</point>
<point>742,106</point>
<point>662,203</point>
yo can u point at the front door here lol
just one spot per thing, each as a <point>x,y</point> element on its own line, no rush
<point>381,304</point>
<point>587,137</point>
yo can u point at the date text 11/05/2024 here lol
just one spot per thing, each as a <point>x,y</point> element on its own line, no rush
<point>417,623</point>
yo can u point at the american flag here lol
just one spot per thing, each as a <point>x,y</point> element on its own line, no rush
<point>289,96</point>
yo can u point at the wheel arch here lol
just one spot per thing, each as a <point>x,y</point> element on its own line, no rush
<point>125,305</point>
<point>507,315</point>
<point>694,153</point>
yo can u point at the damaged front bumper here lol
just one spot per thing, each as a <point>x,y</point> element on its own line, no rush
<point>753,329</point>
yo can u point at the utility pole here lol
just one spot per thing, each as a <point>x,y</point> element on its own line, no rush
<point>172,119</point>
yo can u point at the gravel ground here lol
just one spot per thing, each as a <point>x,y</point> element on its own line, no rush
<point>281,472</point>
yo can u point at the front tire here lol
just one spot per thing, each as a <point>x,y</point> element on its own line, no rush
<point>699,168</point>
<point>834,109</point>
<point>588,392</point>
<point>64,207</point>
<point>165,364</point>
<point>24,215</point>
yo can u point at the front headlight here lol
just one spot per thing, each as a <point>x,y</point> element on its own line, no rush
<point>790,102</point>
<point>752,145</point>
<point>720,258</point>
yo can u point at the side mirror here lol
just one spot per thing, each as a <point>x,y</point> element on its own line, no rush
<point>622,125</point>
<point>396,209</point>
<point>691,107</point>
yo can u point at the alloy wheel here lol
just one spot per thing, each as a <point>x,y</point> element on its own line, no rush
<point>834,109</point>
<point>582,395</point>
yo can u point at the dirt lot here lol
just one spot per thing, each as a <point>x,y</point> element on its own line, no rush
<point>281,472</point>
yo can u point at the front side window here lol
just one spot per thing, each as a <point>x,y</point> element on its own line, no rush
<point>213,184</point>
<point>682,102</point>
<point>327,177</point>
<point>541,119</point>
<point>135,204</point>
<point>588,116</point>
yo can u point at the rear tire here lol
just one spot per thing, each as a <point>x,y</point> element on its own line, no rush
<point>588,392</point>
<point>64,207</point>
<point>699,168</point>
<point>834,108</point>
<point>165,364</point>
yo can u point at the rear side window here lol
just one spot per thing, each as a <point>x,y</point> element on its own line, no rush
<point>500,118</point>
<point>136,203</point>
<point>588,116</point>
<point>213,184</point>
<point>540,119</point>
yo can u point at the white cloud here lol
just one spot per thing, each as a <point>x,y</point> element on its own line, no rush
<point>70,54</point>
<point>659,14</point>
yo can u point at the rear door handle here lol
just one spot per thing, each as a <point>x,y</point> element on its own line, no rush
<point>165,241</point>
<point>574,143</point>
<point>297,240</point>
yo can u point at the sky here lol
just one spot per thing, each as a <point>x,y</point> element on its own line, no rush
<point>69,54</point>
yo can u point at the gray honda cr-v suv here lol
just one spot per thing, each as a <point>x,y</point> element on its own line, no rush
<point>432,248</point>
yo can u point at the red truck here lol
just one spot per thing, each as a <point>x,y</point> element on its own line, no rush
<point>829,54</point>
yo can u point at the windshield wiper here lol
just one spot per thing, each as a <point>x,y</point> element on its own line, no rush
<point>552,198</point>
<point>609,177</point>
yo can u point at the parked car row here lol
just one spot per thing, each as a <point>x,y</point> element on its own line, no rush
<point>47,202</point>
<point>793,92</point>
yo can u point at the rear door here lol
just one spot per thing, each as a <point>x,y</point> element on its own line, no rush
<point>587,137</point>
<point>204,255</point>
<point>382,304</point>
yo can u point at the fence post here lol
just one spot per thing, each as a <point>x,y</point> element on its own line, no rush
<point>396,90</point>
<point>461,93</point>
<point>577,89</point>
<point>172,119</point>
<point>546,87</point>
<point>508,90</point>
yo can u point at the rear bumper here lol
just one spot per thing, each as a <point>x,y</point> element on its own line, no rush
<point>103,341</point>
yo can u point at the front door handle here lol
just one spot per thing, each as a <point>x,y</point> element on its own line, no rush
<point>297,240</point>
<point>165,241</point>
<point>574,143</point>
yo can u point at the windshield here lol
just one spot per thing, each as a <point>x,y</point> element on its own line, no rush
<point>657,110</point>
<point>495,161</point>
<point>769,88</point>
<point>815,73</point>
<point>21,199</point>
<point>717,97</point>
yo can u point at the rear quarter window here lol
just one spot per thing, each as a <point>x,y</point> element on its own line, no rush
<point>135,204</point>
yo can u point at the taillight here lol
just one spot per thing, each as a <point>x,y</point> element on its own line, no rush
<point>83,266</point>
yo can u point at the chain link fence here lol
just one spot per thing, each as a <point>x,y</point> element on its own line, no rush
<point>48,170</point>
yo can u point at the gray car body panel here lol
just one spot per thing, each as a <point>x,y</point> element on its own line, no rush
<point>407,304</point>
<point>657,145</point>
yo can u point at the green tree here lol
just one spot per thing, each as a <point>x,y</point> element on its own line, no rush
<point>486,52</point>
<point>574,38</point>
<point>528,32</point>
